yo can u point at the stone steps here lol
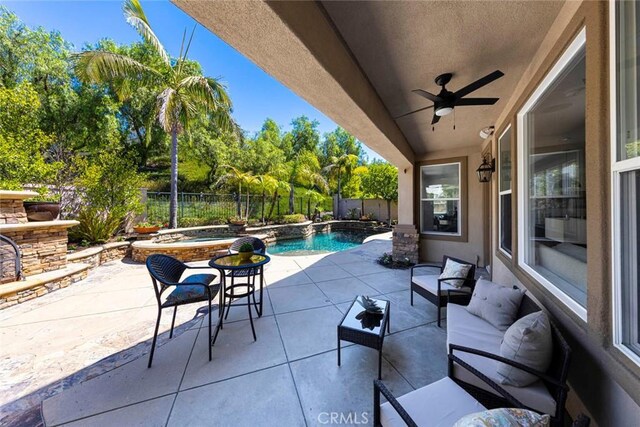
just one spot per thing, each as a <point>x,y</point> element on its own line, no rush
<point>39,284</point>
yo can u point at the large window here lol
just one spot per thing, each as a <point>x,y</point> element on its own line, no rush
<point>440,199</point>
<point>504,179</point>
<point>551,178</point>
<point>626,175</point>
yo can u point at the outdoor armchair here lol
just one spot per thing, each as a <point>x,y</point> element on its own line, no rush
<point>433,287</point>
<point>165,273</point>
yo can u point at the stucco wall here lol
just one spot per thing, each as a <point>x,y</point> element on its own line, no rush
<point>603,383</point>
<point>432,248</point>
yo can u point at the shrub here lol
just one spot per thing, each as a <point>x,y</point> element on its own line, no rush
<point>198,222</point>
<point>95,226</point>
<point>293,219</point>
<point>327,217</point>
<point>387,260</point>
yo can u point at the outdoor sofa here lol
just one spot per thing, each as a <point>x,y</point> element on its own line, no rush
<point>479,342</point>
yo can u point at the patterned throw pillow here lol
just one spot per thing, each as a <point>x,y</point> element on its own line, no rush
<point>455,269</point>
<point>504,417</point>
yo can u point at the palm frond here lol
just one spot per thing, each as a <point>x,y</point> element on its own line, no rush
<point>135,16</point>
<point>168,109</point>
<point>98,66</point>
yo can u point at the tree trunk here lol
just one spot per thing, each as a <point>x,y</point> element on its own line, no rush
<point>263,207</point>
<point>309,207</point>
<point>291,207</point>
<point>173,202</point>
<point>339,189</point>
<point>239,202</point>
<point>273,204</point>
<point>247,207</point>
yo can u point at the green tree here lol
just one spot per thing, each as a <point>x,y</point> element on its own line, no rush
<point>184,93</point>
<point>236,176</point>
<point>381,181</point>
<point>303,170</point>
<point>23,145</point>
<point>304,136</point>
<point>341,167</point>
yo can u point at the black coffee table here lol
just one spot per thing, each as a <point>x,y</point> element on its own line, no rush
<point>359,327</point>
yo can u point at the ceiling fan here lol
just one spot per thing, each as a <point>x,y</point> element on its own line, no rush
<point>446,101</point>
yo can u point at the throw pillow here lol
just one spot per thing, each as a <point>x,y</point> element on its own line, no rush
<point>504,417</point>
<point>529,342</point>
<point>495,303</point>
<point>455,269</point>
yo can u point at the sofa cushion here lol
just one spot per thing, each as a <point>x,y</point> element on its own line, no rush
<point>504,417</point>
<point>495,303</point>
<point>430,283</point>
<point>455,269</point>
<point>439,404</point>
<point>527,341</point>
<point>467,330</point>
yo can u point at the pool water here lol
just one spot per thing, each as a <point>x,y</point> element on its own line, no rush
<point>318,243</point>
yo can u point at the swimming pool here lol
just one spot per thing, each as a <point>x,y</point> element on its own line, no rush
<point>318,243</point>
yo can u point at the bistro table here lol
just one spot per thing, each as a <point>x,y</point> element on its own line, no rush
<point>236,267</point>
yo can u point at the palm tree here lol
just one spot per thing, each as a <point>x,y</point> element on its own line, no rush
<point>303,170</point>
<point>312,196</point>
<point>266,183</point>
<point>239,178</point>
<point>181,94</point>
<point>344,163</point>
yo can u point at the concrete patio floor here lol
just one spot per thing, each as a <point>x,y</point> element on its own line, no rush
<point>82,350</point>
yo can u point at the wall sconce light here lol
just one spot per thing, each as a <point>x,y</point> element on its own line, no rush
<point>485,170</point>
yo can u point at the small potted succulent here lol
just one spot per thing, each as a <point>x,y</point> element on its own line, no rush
<point>147,227</point>
<point>245,252</point>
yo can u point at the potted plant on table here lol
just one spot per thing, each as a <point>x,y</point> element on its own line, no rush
<point>245,252</point>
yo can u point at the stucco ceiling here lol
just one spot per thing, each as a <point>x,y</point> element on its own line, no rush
<point>402,46</point>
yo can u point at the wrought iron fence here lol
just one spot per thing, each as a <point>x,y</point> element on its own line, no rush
<point>217,208</point>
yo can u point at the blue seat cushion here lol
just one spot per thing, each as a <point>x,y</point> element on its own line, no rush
<point>186,293</point>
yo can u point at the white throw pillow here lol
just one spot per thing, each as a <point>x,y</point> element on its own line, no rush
<point>504,417</point>
<point>455,269</point>
<point>495,303</point>
<point>529,342</point>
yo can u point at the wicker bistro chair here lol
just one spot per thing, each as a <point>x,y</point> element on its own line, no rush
<point>165,273</point>
<point>445,401</point>
<point>431,286</point>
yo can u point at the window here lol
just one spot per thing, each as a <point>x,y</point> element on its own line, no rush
<point>440,199</point>
<point>551,178</point>
<point>625,90</point>
<point>504,179</point>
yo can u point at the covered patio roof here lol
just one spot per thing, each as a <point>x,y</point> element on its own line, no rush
<point>358,61</point>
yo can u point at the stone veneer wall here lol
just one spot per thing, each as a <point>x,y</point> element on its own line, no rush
<point>12,212</point>
<point>43,249</point>
<point>405,243</point>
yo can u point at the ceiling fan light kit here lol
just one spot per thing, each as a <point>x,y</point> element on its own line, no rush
<point>445,102</point>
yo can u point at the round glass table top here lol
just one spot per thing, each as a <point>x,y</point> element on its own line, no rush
<point>238,261</point>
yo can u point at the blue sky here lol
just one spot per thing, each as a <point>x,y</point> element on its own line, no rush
<point>255,94</point>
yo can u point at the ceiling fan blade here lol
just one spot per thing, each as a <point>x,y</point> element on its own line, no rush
<point>415,111</point>
<point>479,83</point>
<point>476,101</point>
<point>428,95</point>
<point>435,119</point>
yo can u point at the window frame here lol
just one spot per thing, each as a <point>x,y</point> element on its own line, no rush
<point>618,167</point>
<point>577,44</point>
<point>505,192</point>
<point>461,212</point>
